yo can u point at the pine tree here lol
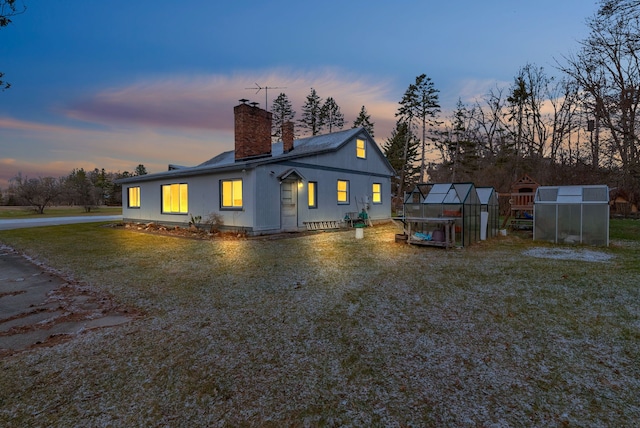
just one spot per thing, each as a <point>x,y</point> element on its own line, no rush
<point>459,150</point>
<point>404,164</point>
<point>330,116</point>
<point>140,170</point>
<point>311,119</point>
<point>420,102</point>
<point>364,120</point>
<point>282,112</point>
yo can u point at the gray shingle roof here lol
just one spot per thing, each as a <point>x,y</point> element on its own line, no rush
<point>302,147</point>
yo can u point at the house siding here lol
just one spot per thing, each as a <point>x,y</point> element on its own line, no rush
<point>261,211</point>
<point>267,197</point>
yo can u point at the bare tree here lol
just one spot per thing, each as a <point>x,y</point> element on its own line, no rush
<point>607,69</point>
<point>566,103</point>
<point>488,118</point>
<point>531,128</point>
<point>610,8</point>
<point>8,10</point>
<point>35,192</point>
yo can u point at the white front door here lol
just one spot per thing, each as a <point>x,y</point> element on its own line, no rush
<point>289,205</point>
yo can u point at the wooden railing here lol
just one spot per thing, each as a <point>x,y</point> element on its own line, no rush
<point>521,201</point>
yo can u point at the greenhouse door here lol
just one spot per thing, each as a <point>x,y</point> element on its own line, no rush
<point>288,205</point>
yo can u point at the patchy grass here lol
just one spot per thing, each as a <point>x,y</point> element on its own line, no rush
<point>625,229</point>
<point>28,212</point>
<point>327,330</point>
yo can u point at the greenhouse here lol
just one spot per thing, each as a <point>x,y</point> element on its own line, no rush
<point>572,214</point>
<point>489,212</point>
<point>432,207</point>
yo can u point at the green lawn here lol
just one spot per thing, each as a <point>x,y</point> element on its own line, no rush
<point>28,212</point>
<point>327,330</point>
<point>628,229</point>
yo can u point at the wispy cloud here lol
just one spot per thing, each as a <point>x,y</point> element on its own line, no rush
<point>187,119</point>
<point>35,149</point>
<point>9,123</point>
<point>10,168</point>
<point>206,101</point>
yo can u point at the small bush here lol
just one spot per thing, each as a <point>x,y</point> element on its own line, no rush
<point>214,221</point>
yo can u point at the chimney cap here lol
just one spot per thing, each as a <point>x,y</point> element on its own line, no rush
<point>254,104</point>
<point>243,100</point>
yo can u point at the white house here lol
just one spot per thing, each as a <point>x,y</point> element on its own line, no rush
<point>264,188</point>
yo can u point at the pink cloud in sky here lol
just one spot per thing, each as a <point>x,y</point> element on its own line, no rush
<point>35,149</point>
<point>22,125</point>
<point>206,102</point>
<point>10,168</point>
<point>174,119</point>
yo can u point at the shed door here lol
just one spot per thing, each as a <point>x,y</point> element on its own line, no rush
<point>288,205</point>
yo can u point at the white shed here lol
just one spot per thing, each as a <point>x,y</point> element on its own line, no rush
<point>572,214</point>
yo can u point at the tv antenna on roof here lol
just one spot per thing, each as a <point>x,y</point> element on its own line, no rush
<point>266,91</point>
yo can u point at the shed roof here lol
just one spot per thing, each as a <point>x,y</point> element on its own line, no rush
<point>487,195</point>
<point>587,194</point>
<point>444,193</point>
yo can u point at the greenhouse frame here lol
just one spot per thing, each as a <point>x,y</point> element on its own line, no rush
<point>458,201</point>
<point>489,212</point>
<point>572,214</point>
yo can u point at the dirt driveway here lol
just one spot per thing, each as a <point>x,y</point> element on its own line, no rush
<point>40,308</point>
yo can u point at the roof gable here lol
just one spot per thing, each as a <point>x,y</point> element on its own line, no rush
<point>309,146</point>
<point>302,147</point>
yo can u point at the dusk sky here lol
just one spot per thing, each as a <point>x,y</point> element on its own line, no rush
<point>112,84</point>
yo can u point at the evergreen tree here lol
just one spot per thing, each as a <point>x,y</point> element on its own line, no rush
<point>80,189</point>
<point>364,120</point>
<point>459,150</point>
<point>282,112</point>
<point>330,115</point>
<point>401,150</point>
<point>140,170</point>
<point>311,119</point>
<point>420,102</point>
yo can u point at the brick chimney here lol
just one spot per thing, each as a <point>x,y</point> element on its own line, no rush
<point>252,131</point>
<point>287,137</point>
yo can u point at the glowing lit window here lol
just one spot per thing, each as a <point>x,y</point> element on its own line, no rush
<point>376,193</point>
<point>134,197</point>
<point>361,150</point>
<point>231,194</point>
<point>175,198</point>
<point>312,190</point>
<point>343,192</point>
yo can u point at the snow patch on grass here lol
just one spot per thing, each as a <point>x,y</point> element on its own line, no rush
<point>580,254</point>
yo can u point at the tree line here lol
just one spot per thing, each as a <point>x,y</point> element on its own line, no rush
<point>318,115</point>
<point>87,189</point>
<point>578,127</point>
